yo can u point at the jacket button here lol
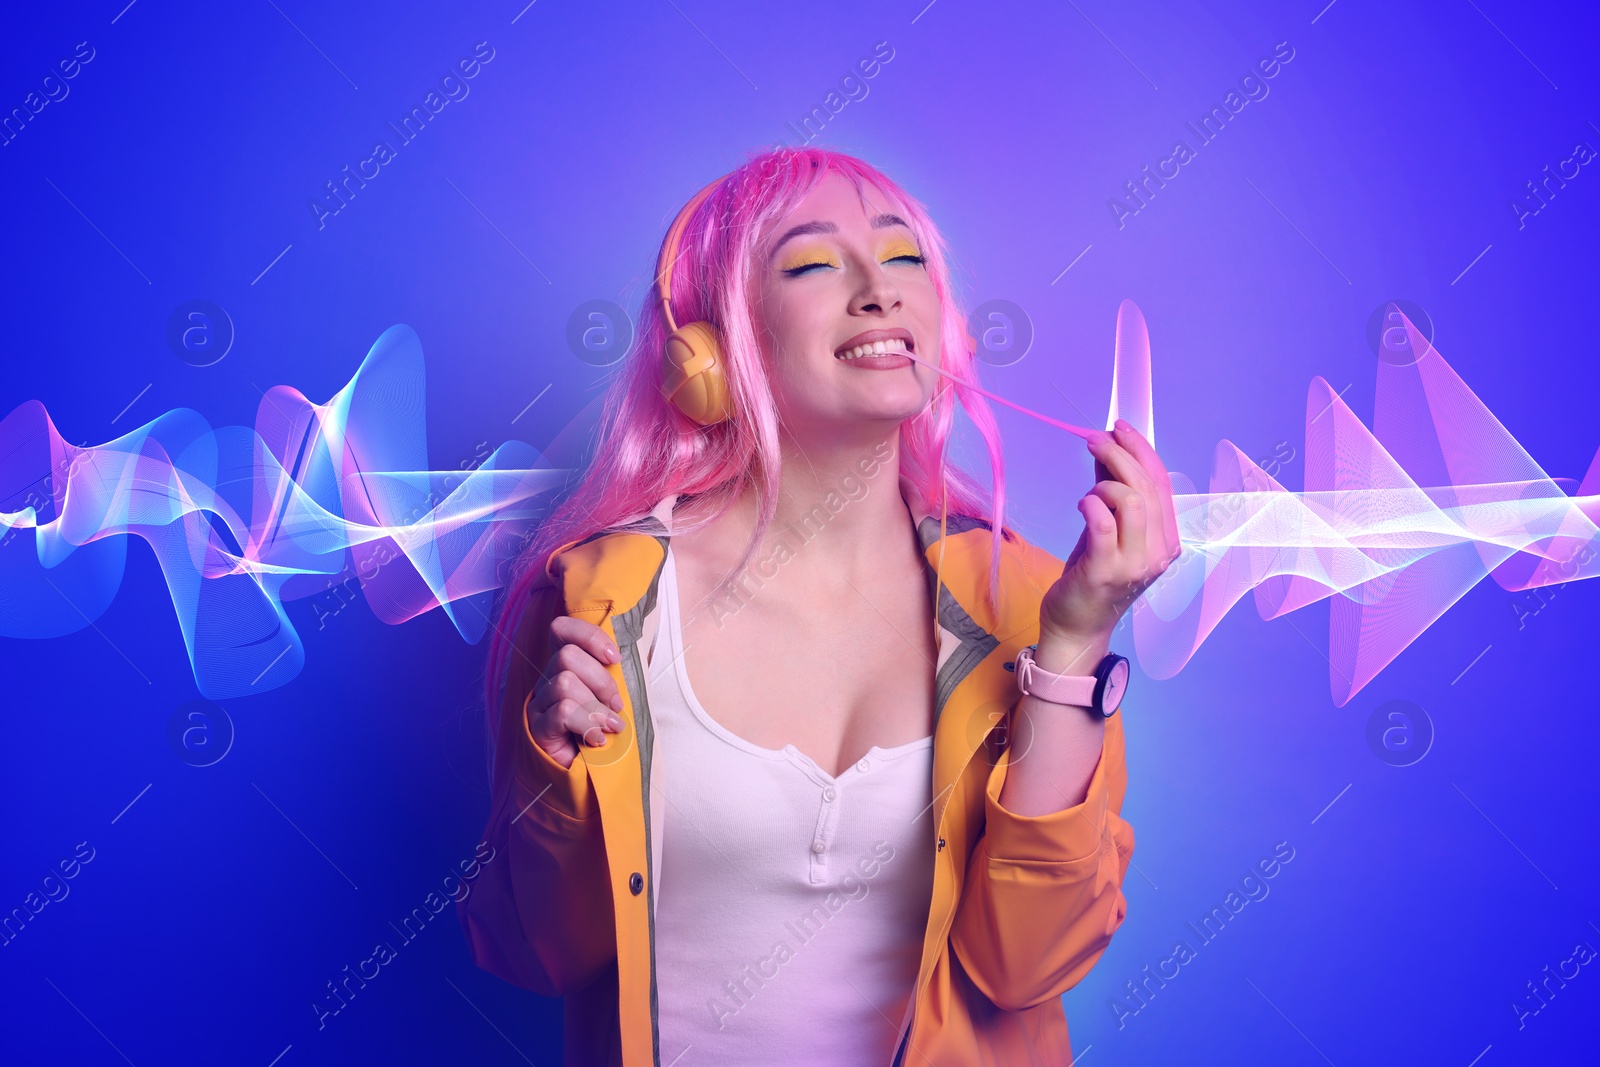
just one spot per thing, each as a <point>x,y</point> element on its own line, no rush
<point>636,883</point>
<point>941,844</point>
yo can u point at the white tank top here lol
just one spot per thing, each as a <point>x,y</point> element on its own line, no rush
<point>791,904</point>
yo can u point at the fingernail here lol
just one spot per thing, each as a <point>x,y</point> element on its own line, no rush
<point>1124,424</point>
<point>613,654</point>
<point>1099,437</point>
<point>616,723</point>
<point>616,702</point>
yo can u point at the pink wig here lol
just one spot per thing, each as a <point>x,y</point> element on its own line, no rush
<point>647,449</point>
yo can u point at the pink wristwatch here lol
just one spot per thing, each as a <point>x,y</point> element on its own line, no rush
<point>1101,691</point>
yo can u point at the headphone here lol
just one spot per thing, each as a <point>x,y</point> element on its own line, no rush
<point>694,377</point>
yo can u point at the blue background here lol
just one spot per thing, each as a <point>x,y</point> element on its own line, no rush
<point>1383,163</point>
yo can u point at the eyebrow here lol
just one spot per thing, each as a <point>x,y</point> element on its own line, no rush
<point>878,222</point>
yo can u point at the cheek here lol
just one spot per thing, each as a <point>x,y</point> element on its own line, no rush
<point>923,304</point>
<point>795,325</point>
<point>778,332</point>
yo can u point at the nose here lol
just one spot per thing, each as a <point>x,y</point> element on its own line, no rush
<point>878,295</point>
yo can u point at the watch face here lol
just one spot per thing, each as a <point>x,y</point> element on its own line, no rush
<point>1116,683</point>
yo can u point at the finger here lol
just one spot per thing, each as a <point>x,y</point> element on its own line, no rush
<point>1120,462</point>
<point>549,734</point>
<point>563,751</point>
<point>1153,550</point>
<point>572,723</point>
<point>1131,511</point>
<point>589,721</point>
<point>1142,450</point>
<point>596,678</point>
<point>587,636</point>
<point>567,685</point>
<point>1122,478</point>
<point>1078,549</point>
<point>1154,484</point>
<point>1100,529</point>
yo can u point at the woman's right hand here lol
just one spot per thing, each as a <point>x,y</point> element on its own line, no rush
<point>578,699</point>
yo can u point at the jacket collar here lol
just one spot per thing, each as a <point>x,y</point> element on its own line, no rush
<point>940,569</point>
<point>612,578</point>
<point>960,562</point>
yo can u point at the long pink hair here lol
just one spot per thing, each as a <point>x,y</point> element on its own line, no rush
<point>647,449</point>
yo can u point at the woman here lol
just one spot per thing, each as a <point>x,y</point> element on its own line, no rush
<point>783,849</point>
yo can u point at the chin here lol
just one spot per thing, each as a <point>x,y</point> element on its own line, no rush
<point>885,413</point>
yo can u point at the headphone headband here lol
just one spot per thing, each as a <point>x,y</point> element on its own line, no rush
<point>669,250</point>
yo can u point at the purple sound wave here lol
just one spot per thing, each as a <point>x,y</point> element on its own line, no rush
<point>242,519</point>
<point>1393,525</point>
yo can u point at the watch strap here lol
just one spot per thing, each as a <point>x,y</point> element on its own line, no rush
<point>1033,680</point>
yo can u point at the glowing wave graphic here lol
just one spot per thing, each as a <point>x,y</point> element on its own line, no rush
<point>242,520</point>
<point>1394,524</point>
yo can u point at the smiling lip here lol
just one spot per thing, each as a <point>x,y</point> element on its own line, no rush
<point>884,361</point>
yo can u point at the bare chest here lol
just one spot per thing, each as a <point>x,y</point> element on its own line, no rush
<point>832,671</point>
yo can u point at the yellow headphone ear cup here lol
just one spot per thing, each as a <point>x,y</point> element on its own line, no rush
<point>694,378</point>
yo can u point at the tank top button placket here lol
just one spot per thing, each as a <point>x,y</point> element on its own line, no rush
<point>827,822</point>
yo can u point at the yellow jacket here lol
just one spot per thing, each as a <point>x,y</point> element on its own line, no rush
<point>1022,906</point>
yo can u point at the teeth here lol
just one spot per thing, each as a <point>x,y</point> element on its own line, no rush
<point>874,348</point>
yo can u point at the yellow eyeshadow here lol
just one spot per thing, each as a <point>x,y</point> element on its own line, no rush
<point>896,249</point>
<point>806,257</point>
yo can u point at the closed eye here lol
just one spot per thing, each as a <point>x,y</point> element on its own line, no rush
<point>795,272</point>
<point>806,268</point>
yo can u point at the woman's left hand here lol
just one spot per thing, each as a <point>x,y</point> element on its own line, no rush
<point>1130,536</point>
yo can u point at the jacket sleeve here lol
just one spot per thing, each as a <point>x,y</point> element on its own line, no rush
<point>1043,895</point>
<point>540,914</point>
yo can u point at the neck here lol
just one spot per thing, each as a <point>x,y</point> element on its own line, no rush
<point>842,499</point>
<point>839,508</point>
